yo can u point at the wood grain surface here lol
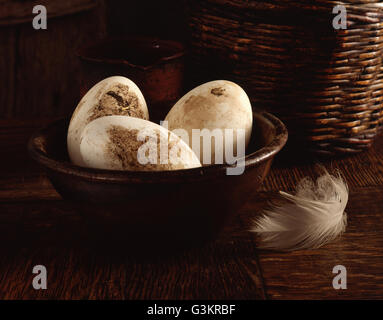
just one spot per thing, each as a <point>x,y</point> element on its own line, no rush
<point>40,72</point>
<point>15,12</point>
<point>34,224</point>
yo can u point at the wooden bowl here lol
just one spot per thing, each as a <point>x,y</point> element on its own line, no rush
<point>172,207</point>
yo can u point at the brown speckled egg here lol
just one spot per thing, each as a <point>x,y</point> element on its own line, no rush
<point>111,96</point>
<point>126,143</point>
<point>217,104</point>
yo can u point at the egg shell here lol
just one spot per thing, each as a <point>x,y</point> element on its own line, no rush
<point>111,96</point>
<point>217,104</point>
<point>114,142</point>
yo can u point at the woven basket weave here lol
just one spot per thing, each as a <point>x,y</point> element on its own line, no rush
<point>326,84</point>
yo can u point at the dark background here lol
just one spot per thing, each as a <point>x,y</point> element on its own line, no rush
<point>40,74</point>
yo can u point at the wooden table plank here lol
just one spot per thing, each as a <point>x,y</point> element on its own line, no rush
<point>359,170</point>
<point>308,274</point>
<point>225,269</point>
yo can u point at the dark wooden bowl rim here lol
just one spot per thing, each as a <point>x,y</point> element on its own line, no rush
<point>176,176</point>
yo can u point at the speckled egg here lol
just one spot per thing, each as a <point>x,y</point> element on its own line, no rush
<point>214,105</point>
<point>111,96</point>
<point>127,143</point>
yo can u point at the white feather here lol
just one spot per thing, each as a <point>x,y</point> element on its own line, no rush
<point>310,218</point>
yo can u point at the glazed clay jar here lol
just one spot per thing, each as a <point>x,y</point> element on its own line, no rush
<point>156,66</point>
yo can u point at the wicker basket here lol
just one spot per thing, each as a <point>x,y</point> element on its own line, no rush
<point>326,84</point>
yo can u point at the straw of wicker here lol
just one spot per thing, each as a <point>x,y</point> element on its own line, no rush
<point>326,84</point>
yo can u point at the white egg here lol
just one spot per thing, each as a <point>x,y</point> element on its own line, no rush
<point>126,143</point>
<point>214,105</point>
<point>111,96</point>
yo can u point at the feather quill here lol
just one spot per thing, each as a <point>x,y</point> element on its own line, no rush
<point>309,219</point>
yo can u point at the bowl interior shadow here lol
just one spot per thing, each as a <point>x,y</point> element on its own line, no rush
<point>53,141</point>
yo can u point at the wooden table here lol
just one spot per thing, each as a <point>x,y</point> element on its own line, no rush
<point>34,224</point>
